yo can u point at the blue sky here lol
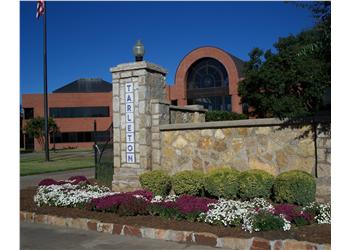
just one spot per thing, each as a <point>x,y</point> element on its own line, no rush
<point>85,39</point>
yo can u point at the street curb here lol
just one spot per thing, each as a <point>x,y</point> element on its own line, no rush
<point>201,238</point>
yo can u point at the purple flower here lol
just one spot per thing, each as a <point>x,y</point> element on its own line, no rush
<point>123,203</point>
<point>75,180</point>
<point>47,182</point>
<point>190,204</point>
<point>145,193</point>
<point>290,211</point>
<point>307,216</point>
<point>115,200</point>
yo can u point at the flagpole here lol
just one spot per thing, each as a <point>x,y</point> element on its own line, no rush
<point>47,155</point>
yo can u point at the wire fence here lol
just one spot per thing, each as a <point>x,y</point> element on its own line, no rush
<point>103,150</point>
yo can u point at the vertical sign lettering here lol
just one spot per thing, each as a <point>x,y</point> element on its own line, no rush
<point>129,119</point>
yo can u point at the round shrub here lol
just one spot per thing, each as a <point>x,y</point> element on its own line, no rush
<point>222,183</point>
<point>188,182</point>
<point>156,181</point>
<point>296,187</point>
<point>255,183</point>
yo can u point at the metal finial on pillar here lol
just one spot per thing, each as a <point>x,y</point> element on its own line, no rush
<point>139,51</point>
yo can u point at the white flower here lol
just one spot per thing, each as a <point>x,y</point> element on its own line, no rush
<point>159,198</point>
<point>323,212</point>
<point>68,195</point>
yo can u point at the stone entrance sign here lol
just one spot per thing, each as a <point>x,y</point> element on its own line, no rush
<point>138,88</point>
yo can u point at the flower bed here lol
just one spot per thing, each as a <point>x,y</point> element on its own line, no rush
<point>252,216</point>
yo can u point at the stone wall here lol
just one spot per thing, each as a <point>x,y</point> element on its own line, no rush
<point>187,114</point>
<point>323,163</point>
<point>248,144</point>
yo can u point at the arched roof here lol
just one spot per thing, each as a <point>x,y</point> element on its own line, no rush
<point>233,65</point>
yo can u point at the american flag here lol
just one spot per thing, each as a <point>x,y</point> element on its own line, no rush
<point>40,8</point>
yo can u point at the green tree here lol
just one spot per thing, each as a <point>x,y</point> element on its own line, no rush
<point>36,128</point>
<point>292,81</point>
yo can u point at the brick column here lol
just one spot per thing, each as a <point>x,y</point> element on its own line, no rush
<point>137,90</point>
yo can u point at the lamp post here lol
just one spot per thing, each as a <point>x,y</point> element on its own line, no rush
<point>139,51</point>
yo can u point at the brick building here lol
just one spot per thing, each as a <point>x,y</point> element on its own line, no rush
<point>207,76</point>
<point>74,107</point>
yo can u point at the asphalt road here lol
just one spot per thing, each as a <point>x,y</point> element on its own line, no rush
<point>33,180</point>
<point>39,236</point>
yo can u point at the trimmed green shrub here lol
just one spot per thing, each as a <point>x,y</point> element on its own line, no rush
<point>296,187</point>
<point>255,183</point>
<point>188,182</point>
<point>156,181</point>
<point>217,115</point>
<point>266,222</point>
<point>222,183</point>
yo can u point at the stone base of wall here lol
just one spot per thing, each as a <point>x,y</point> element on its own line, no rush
<point>323,189</point>
<point>126,179</point>
<point>209,239</point>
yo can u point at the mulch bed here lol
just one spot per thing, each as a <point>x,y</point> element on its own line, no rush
<point>313,233</point>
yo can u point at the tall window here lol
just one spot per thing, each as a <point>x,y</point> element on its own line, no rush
<point>28,113</point>
<point>75,112</point>
<point>208,85</point>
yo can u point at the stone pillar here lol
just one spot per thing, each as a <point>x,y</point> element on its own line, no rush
<point>138,89</point>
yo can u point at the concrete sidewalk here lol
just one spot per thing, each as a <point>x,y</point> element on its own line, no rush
<point>38,236</point>
<point>33,180</point>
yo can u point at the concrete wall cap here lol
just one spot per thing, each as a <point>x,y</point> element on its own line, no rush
<point>137,66</point>
<point>195,108</point>
<point>235,123</point>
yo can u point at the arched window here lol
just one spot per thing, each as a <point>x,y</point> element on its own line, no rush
<point>208,85</point>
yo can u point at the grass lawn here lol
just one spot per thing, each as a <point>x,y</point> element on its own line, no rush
<point>34,163</point>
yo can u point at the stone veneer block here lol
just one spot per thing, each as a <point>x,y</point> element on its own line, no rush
<point>208,239</point>
<point>22,216</point>
<point>149,233</point>
<point>92,225</point>
<point>40,218</point>
<point>234,243</point>
<point>118,229</point>
<point>298,245</point>
<point>277,245</point>
<point>105,227</point>
<point>29,217</point>
<point>57,221</point>
<point>132,231</point>
<point>79,223</point>
<point>260,244</point>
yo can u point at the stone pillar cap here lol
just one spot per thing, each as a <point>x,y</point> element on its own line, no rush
<point>138,65</point>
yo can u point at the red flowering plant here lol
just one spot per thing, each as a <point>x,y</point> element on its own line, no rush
<point>124,204</point>
<point>47,182</point>
<point>293,214</point>
<point>75,180</point>
<point>142,193</point>
<point>185,207</point>
<point>192,206</point>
